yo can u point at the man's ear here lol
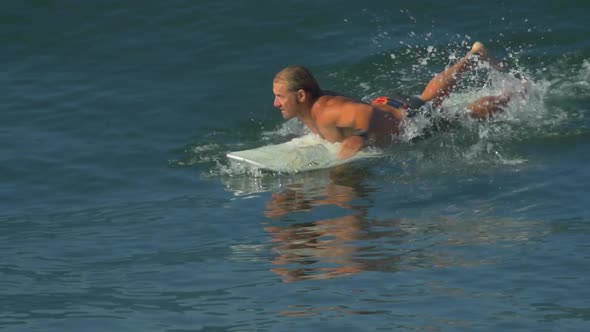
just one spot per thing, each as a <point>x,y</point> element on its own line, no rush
<point>301,95</point>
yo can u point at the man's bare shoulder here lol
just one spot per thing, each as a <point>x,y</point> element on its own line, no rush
<point>336,100</point>
<point>328,109</point>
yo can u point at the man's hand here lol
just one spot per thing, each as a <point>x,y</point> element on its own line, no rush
<point>350,146</point>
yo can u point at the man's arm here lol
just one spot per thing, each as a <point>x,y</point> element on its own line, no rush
<point>351,145</point>
<point>354,117</point>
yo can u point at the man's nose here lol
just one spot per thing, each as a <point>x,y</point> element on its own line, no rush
<point>277,103</point>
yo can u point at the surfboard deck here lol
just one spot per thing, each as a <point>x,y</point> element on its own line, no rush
<point>298,155</point>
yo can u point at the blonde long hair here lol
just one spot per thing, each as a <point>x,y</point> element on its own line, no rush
<point>298,77</point>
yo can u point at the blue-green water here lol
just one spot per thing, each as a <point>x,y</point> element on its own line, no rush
<point>120,211</point>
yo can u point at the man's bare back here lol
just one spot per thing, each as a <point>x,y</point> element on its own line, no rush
<point>336,113</point>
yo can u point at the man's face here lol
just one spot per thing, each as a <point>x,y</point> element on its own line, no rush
<point>285,100</point>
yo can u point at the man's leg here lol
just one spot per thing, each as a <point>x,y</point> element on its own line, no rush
<point>442,84</point>
<point>484,107</point>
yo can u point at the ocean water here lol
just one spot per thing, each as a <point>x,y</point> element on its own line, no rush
<point>120,211</point>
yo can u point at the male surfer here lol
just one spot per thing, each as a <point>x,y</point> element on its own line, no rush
<point>352,122</point>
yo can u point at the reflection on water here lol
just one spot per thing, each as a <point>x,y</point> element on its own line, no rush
<point>322,229</point>
<point>316,251</point>
<point>336,243</point>
<point>322,248</point>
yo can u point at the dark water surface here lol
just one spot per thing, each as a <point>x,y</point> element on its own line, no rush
<point>120,211</point>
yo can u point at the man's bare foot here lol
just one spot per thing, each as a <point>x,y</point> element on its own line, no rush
<point>520,91</point>
<point>523,91</point>
<point>477,48</point>
<point>483,55</point>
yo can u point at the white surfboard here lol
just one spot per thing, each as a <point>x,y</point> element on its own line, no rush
<point>298,155</point>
